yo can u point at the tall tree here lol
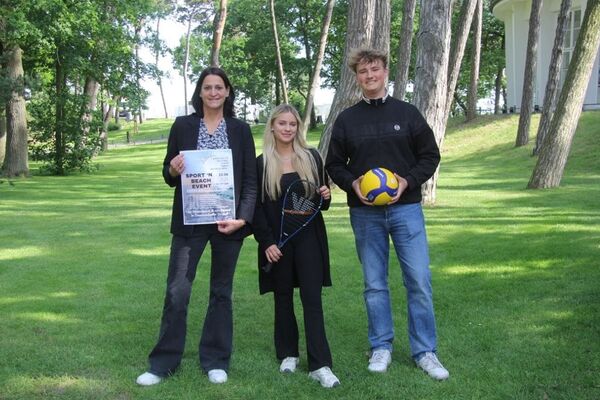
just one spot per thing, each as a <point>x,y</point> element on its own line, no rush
<point>404,48</point>
<point>433,48</point>
<point>529,76</point>
<point>457,51</point>
<point>555,149</point>
<point>16,159</point>
<point>498,85</point>
<point>280,70</point>
<point>475,59</point>
<point>552,86</point>
<point>165,8</point>
<point>13,118</point>
<point>3,99</point>
<point>492,62</point>
<point>314,79</point>
<point>2,133</point>
<point>219,25</point>
<point>157,53</point>
<point>368,25</point>
<point>188,13</point>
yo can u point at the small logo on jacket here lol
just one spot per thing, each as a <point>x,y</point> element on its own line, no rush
<point>396,127</point>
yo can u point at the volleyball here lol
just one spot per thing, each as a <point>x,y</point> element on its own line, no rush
<point>379,185</point>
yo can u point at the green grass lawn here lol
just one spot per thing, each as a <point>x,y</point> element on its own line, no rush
<point>516,276</point>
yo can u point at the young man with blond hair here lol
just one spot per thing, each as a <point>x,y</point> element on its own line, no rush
<point>381,131</point>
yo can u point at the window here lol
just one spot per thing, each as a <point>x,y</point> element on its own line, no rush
<point>571,35</point>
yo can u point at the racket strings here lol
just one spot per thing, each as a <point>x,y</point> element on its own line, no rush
<point>299,207</point>
<point>297,204</point>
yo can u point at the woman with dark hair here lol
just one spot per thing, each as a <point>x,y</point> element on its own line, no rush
<point>212,126</point>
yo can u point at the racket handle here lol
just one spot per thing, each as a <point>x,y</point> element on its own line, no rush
<point>267,267</point>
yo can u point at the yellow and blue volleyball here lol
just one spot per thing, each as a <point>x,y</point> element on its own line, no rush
<point>379,185</point>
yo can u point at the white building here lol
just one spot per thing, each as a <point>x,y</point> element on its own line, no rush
<point>515,15</point>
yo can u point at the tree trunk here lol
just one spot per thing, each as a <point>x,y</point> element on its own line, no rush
<point>498,89</point>
<point>475,59</point>
<point>278,53</point>
<point>553,75</point>
<point>555,149</point>
<point>304,17</point>
<point>105,121</point>
<point>16,158</point>
<point>380,35</point>
<point>457,51</point>
<point>404,48</point>
<point>2,132</point>
<point>159,74</point>
<point>431,74</point>
<point>59,84</point>
<point>90,92</point>
<point>500,85</point>
<point>138,74</point>
<point>117,108</point>
<point>186,59</point>
<point>529,79</point>
<point>368,25</point>
<point>460,103</point>
<point>314,80</point>
<point>219,25</point>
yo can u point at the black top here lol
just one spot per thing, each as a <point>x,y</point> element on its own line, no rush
<point>391,134</point>
<point>184,136</point>
<point>267,219</point>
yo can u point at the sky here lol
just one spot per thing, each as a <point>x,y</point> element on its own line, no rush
<point>170,32</point>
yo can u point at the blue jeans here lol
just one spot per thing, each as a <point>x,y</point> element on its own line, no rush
<point>405,224</point>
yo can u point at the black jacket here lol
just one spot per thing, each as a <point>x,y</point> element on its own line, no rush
<point>266,223</point>
<point>184,136</point>
<point>392,135</point>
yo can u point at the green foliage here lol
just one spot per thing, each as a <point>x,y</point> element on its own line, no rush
<point>113,126</point>
<point>75,152</point>
<point>66,43</point>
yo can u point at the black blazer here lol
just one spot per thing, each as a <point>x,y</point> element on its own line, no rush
<point>267,222</point>
<point>184,136</point>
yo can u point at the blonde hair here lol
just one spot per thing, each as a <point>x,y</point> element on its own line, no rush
<point>303,161</point>
<point>366,55</point>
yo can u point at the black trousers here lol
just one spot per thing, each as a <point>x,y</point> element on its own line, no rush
<point>302,263</point>
<point>217,334</point>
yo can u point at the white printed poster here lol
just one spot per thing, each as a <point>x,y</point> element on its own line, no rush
<point>207,186</point>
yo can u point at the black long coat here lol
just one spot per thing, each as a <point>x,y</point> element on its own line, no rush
<point>184,136</point>
<point>266,223</point>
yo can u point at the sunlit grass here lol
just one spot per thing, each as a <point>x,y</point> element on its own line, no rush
<point>515,272</point>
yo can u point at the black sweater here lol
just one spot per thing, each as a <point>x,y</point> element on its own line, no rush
<point>392,135</point>
<point>265,227</point>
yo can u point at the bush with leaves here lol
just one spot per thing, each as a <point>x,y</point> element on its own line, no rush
<point>73,151</point>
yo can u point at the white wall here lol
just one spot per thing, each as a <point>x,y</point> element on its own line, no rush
<point>515,15</point>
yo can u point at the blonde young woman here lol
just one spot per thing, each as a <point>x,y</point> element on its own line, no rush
<point>304,260</point>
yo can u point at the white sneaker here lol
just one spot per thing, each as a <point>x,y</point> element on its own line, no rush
<point>217,376</point>
<point>380,360</point>
<point>148,379</point>
<point>434,368</point>
<point>289,364</point>
<point>325,377</point>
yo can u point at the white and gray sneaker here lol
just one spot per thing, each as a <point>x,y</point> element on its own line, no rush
<point>148,379</point>
<point>434,368</point>
<point>325,377</point>
<point>380,360</point>
<point>289,364</point>
<point>217,376</point>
